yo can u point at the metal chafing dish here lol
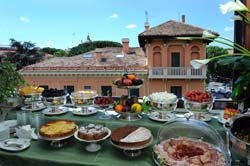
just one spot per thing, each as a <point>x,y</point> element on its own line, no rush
<point>238,134</point>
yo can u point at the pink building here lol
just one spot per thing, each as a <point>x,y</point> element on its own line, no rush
<point>162,61</point>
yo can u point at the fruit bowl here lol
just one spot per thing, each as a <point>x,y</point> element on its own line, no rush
<point>197,101</point>
<point>83,98</point>
<point>104,102</point>
<point>193,106</point>
<point>128,108</point>
<point>128,81</point>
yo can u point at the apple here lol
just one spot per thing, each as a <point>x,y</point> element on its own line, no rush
<point>127,82</point>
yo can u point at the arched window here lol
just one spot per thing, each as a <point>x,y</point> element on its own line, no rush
<point>195,52</point>
<point>157,56</point>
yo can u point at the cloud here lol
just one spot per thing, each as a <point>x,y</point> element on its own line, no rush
<point>114,15</point>
<point>228,29</point>
<point>130,26</point>
<point>50,43</point>
<point>24,19</point>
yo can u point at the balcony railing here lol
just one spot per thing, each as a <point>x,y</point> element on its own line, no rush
<point>177,73</point>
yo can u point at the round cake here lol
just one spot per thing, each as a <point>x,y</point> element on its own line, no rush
<point>92,132</point>
<point>186,151</point>
<point>58,129</point>
<point>131,136</point>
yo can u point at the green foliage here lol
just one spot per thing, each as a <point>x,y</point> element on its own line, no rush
<point>60,53</point>
<point>9,81</point>
<point>49,50</point>
<point>218,70</point>
<point>86,47</point>
<point>240,67</point>
<point>26,54</point>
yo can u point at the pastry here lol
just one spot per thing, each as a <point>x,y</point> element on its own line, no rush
<point>92,132</point>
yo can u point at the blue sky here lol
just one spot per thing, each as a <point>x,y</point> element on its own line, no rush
<point>64,23</point>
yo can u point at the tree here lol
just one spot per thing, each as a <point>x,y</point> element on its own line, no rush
<point>49,50</point>
<point>26,54</point>
<point>216,71</point>
<point>86,47</point>
<point>60,53</point>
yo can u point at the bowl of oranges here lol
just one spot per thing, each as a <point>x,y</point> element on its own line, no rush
<point>128,108</point>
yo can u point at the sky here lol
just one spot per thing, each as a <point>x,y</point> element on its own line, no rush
<point>65,23</point>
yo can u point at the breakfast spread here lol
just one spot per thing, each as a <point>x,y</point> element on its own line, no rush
<point>186,151</point>
<point>92,132</point>
<point>58,129</point>
<point>131,136</point>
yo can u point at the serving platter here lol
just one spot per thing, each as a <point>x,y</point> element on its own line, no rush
<point>58,111</point>
<point>132,151</point>
<point>15,144</point>
<point>37,107</point>
<point>87,112</point>
<point>156,116</point>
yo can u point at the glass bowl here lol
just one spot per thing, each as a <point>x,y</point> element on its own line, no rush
<point>193,106</point>
<point>181,128</point>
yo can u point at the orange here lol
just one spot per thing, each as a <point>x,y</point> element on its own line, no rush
<point>131,76</point>
<point>136,108</point>
<point>118,108</point>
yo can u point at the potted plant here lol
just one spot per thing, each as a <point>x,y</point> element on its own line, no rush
<point>10,80</point>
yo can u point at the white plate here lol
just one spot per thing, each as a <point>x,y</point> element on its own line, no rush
<point>9,123</point>
<point>15,144</point>
<point>60,110</point>
<point>78,111</point>
<point>28,108</point>
<point>155,116</point>
<point>91,141</point>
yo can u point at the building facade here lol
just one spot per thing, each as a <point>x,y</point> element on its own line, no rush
<point>162,61</point>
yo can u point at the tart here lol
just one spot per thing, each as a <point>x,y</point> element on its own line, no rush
<point>58,129</point>
<point>131,136</point>
<point>92,132</point>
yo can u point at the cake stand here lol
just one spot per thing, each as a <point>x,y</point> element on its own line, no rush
<point>56,142</point>
<point>93,145</point>
<point>132,151</point>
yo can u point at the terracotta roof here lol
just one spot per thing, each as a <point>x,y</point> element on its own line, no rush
<point>171,29</point>
<point>135,58</point>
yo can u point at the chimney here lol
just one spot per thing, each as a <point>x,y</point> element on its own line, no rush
<point>146,26</point>
<point>125,45</point>
<point>183,19</point>
<point>98,55</point>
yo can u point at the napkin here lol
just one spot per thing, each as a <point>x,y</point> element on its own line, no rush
<point>26,132</point>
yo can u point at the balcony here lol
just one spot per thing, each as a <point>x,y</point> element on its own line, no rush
<point>176,73</point>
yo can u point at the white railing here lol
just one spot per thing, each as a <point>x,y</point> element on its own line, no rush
<point>177,73</point>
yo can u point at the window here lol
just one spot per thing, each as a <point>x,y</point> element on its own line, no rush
<point>177,90</point>
<point>87,87</point>
<point>106,90</point>
<point>134,92</point>
<point>69,88</point>
<point>175,59</point>
<point>46,87</point>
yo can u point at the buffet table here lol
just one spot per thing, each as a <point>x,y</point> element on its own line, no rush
<point>74,154</point>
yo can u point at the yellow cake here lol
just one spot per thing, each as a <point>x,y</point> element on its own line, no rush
<point>58,128</point>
